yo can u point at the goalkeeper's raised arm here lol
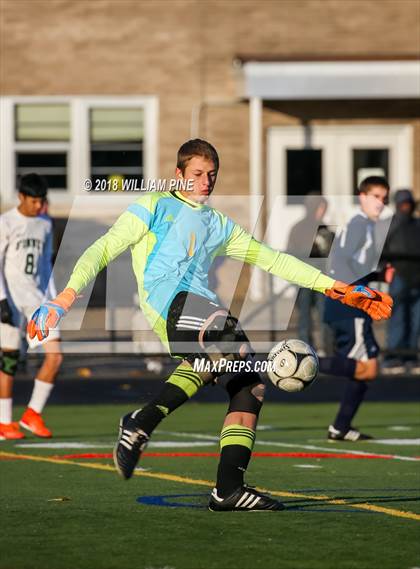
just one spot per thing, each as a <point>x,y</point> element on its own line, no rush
<point>242,246</point>
<point>174,236</point>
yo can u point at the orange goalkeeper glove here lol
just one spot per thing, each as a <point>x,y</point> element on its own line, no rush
<point>377,304</point>
<point>50,313</point>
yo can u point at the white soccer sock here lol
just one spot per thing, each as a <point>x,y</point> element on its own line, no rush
<point>6,410</point>
<point>40,394</point>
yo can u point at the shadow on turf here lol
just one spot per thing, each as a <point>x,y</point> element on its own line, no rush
<point>200,501</point>
<point>350,500</point>
<point>384,499</point>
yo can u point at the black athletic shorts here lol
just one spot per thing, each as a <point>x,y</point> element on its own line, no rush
<point>187,314</point>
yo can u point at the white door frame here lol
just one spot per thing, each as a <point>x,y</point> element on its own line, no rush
<point>336,141</point>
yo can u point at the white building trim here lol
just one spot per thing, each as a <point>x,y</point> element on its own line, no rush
<point>309,80</point>
<point>255,177</point>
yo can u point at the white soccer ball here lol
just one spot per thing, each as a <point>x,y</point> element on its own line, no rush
<point>293,365</point>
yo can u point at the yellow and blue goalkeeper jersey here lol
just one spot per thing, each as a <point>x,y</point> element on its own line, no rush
<point>173,242</point>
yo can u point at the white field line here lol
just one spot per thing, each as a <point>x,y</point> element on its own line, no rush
<point>77,445</point>
<point>332,449</point>
<point>395,442</point>
<point>306,466</point>
<point>401,442</point>
<point>209,440</point>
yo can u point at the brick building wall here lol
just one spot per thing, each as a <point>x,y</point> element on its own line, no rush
<point>182,51</point>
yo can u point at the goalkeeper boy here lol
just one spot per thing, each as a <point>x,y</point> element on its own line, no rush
<point>174,238</point>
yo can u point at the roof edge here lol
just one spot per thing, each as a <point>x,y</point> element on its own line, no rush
<point>242,58</point>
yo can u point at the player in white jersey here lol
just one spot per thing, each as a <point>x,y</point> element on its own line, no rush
<point>25,270</point>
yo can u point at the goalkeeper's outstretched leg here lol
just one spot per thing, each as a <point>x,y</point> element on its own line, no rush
<point>136,427</point>
<point>196,330</point>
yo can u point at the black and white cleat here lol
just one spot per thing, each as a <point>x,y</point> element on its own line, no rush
<point>245,499</point>
<point>130,444</point>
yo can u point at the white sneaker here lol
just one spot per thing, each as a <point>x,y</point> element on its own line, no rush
<point>352,435</point>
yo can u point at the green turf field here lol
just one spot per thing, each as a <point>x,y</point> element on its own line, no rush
<point>76,513</point>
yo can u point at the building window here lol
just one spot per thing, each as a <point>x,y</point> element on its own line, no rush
<point>75,141</point>
<point>369,162</point>
<point>51,165</point>
<point>304,171</point>
<point>42,142</point>
<point>41,122</point>
<point>116,143</point>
